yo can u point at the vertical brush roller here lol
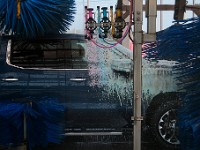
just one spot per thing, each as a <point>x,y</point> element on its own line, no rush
<point>181,43</point>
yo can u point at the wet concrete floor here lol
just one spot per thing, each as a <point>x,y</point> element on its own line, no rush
<point>103,143</point>
<point>98,143</point>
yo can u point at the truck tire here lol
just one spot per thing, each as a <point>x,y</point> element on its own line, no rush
<point>164,124</point>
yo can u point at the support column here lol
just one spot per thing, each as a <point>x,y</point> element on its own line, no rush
<point>138,33</point>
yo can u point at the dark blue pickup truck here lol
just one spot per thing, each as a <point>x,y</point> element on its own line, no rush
<point>94,84</point>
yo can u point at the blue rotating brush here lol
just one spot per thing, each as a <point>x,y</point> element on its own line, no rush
<point>31,18</point>
<point>35,122</point>
<point>181,43</point>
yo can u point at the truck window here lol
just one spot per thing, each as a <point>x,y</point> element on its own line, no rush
<point>48,53</point>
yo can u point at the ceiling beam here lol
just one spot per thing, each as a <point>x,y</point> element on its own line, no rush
<point>194,8</point>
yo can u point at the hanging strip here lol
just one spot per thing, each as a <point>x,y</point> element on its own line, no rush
<point>18,8</point>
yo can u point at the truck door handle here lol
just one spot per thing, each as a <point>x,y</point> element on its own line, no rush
<point>10,79</point>
<point>77,79</point>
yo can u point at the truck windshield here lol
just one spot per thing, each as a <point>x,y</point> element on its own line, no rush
<point>48,53</point>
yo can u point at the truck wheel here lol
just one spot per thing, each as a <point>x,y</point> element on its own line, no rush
<point>164,125</point>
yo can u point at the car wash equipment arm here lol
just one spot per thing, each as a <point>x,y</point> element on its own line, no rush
<point>90,23</point>
<point>105,23</point>
<point>120,23</point>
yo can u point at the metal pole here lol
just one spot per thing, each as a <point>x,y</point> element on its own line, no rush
<point>161,16</point>
<point>193,11</point>
<point>138,18</point>
<point>88,3</point>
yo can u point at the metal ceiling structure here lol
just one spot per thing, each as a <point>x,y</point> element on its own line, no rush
<point>179,8</point>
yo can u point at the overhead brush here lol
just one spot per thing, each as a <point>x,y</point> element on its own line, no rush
<point>31,18</point>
